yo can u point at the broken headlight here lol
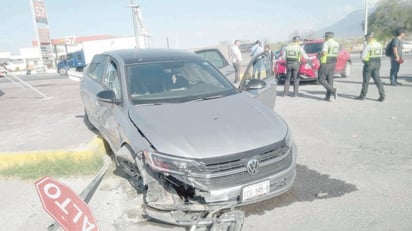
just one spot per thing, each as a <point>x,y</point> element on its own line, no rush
<point>170,164</point>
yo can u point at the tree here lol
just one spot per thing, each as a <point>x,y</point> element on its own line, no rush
<point>388,16</point>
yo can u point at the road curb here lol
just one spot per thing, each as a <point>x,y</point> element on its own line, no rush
<point>74,75</point>
<point>94,148</point>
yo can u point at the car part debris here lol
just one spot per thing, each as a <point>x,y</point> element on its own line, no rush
<point>229,221</point>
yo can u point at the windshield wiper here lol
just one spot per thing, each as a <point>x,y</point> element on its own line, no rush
<point>208,98</point>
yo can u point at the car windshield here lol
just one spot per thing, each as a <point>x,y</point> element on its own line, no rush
<point>175,82</point>
<point>311,48</point>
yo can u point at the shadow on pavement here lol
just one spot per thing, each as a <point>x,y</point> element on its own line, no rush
<point>309,185</point>
<point>406,78</point>
<point>349,82</point>
<point>88,124</point>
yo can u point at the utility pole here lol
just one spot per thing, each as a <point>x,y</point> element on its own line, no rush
<point>366,18</point>
<point>135,26</point>
<point>143,39</point>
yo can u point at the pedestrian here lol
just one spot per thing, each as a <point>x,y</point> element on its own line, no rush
<point>266,62</point>
<point>257,64</point>
<point>293,53</point>
<point>267,49</point>
<point>371,59</point>
<point>328,58</point>
<point>236,59</point>
<point>256,48</point>
<point>396,57</point>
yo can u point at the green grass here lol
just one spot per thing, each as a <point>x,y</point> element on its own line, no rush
<point>55,168</point>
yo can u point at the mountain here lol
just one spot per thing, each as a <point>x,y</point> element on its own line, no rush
<point>351,26</point>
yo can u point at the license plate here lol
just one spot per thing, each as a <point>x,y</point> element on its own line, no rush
<point>255,190</point>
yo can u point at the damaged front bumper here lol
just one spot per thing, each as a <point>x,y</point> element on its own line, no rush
<point>206,208</point>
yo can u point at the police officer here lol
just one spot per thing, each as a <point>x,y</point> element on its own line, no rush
<point>293,52</point>
<point>328,59</point>
<point>371,58</point>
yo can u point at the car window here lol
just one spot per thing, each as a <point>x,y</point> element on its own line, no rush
<point>96,67</point>
<point>261,68</point>
<point>175,82</point>
<point>245,47</point>
<point>215,58</point>
<point>111,79</point>
<point>311,48</point>
<point>279,53</point>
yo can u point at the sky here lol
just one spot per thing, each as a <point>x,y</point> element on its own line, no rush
<point>184,23</point>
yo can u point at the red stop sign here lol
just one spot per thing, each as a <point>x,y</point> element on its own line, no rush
<point>64,205</point>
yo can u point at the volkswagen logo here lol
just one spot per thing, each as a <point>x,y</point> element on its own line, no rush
<point>252,166</point>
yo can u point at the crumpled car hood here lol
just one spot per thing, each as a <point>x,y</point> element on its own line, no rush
<point>209,128</point>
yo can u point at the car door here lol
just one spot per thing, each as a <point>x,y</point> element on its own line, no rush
<point>91,84</point>
<point>217,59</point>
<point>261,68</point>
<point>111,114</point>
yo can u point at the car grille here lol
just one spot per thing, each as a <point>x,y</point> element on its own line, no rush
<point>239,164</point>
<point>234,172</point>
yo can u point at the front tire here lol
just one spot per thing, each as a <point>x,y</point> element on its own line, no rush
<point>62,71</point>
<point>124,161</point>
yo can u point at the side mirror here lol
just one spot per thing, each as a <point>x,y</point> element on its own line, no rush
<point>107,96</point>
<point>254,84</point>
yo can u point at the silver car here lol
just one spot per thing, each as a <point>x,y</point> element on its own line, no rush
<point>189,140</point>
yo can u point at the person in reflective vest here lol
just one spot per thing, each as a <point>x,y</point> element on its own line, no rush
<point>293,53</point>
<point>371,58</point>
<point>328,57</point>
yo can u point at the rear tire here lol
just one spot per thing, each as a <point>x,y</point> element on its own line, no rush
<point>280,79</point>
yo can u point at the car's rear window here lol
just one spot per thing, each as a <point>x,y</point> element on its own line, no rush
<point>311,48</point>
<point>175,82</point>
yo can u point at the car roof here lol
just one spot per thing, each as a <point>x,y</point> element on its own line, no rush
<point>313,41</point>
<point>142,55</point>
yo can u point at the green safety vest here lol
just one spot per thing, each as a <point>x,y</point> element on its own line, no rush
<point>293,52</point>
<point>332,53</point>
<point>375,50</point>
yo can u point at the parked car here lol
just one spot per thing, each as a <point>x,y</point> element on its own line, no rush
<point>218,60</point>
<point>3,71</point>
<point>310,72</point>
<point>188,139</point>
<point>16,64</point>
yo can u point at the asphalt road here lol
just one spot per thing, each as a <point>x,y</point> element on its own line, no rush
<point>42,113</point>
<point>354,168</point>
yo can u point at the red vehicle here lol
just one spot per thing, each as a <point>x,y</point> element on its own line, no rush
<point>310,72</point>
